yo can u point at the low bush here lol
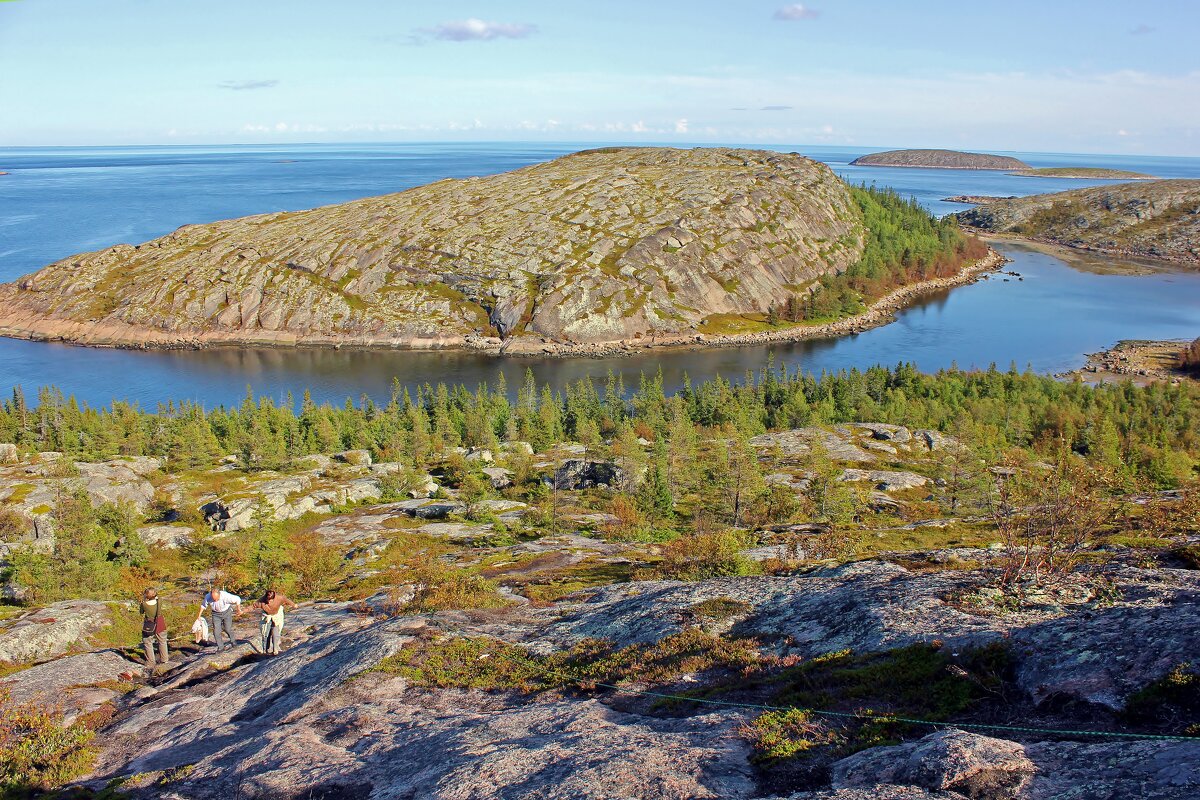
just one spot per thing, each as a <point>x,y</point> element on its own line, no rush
<point>778,735</point>
<point>442,587</point>
<point>697,557</point>
<point>38,753</point>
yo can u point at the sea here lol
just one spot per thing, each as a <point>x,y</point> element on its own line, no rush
<point>58,201</point>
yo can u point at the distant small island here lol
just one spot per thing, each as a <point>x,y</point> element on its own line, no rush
<point>977,199</point>
<point>1087,173</point>
<point>939,159</point>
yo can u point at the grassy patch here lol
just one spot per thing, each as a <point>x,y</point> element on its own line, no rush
<point>779,735</point>
<point>20,493</point>
<point>485,663</point>
<point>921,680</point>
<point>719,609</point>
<point>956,534</point>
<point>587,574</point>
<point>725,324</point>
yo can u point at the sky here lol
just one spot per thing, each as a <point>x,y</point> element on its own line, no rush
<point>1106,76</point>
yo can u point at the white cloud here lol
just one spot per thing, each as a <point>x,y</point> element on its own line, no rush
<point>681,126</point>
<point>478,30</point>
<point>796,11</point>
<point>243,86</point>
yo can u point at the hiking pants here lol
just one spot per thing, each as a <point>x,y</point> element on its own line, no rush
<point>148,643</point>
<point>272,632</point>
<point>224,620</point>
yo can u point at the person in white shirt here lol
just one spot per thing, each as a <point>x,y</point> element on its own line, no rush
<point>222,606</point>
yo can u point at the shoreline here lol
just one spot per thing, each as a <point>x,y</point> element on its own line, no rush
<point>1142,361</point>
<point>123,336</point>
<point>1059,250</point>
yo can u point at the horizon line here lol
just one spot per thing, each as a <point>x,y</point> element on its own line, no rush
<point>572,142</point>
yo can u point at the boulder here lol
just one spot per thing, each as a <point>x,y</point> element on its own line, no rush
<point>438,509</point>
<point>935,440</point>
<point>979,767</point>
<point>429,509</point>
<point>885,432</point>
<point>885,480</point>
<point>480,456</point>
<point>51,631</point>
<point>357,458</point>
<point>317,462</point>
<point>426,489</point>
<point>234,515</point>
<point>499,477</point>
<point>9,453</point>
<point>169,536</point>
<point>798,443</point>
<point>579,473</point>
<point>73,684</point>
<point>119,481</point>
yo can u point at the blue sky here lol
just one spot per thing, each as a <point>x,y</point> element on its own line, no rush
<point>1106,77</point>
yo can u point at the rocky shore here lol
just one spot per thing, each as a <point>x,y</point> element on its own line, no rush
<point>881,312</point>
<point>25,325</point>
<point>976,199</point>
<point>1140,220</point>
<point>1143,361</point>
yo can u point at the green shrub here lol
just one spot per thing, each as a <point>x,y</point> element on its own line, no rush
<point>697,557</point>
<point>37,753</point>
<point>784,734</point>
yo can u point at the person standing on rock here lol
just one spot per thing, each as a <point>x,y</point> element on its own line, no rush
<point>154,629</point>
<point>271,605</point>
<point>222,605</point>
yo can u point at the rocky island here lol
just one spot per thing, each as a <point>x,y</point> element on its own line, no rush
<point>1151,219</point>
<point>976,199</point>
<point>1085,173</point>
<point>626,246</point>
<point>939,159</point>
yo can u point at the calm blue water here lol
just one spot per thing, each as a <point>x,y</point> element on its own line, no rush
<point>60,201</point>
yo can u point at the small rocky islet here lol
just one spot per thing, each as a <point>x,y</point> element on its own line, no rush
<point>939,159</point>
